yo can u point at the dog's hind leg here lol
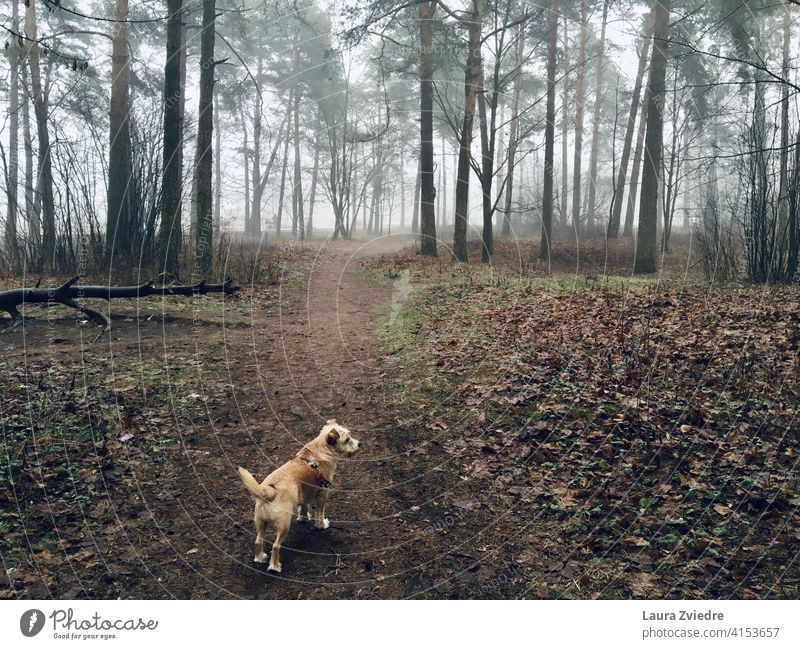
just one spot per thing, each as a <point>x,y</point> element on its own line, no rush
<point>260,529</point>
<point>322,523</point>
<point>281,529</point>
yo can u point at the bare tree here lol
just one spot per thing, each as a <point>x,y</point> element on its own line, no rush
<point>12,179</point>
<point>426,12</point>
<point>120,226</point>
<point>205,128</point>
<point>512,139</point>
<point>545,244</point>
<point>616,208</point>
<point>298,219</point>
<point>579,108</point>
<point>645,261</point>
<point>44,184</point>
<point>598,95</point>
<point>172,170</point>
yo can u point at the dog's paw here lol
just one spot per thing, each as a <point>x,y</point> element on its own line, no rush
<point>324,525</point>
<point>260,558</point>
<point>272,568</point>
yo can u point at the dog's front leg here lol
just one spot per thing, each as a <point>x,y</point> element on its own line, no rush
<point>302,512</point>
<point>322,522</point>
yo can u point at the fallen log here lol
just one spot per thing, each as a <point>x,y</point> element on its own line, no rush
<point>68,292</point>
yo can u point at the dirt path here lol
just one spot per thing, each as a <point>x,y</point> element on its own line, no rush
<point>311,358</point>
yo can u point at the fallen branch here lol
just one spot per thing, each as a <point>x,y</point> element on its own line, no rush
<point>68,292</point>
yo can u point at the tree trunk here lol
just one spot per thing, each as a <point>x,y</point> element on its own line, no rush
<point>282,189</point>
<point>598,95</point>
<point>120,226</point>
<point>783,191</point>
<point>648,201</point>
<point>616,210</point>
<point>255,203</point>
<point>246,164</point>
<point>314,176</point>
<point>31,215</point>
<point>512,138</point>
<point>205,128</point>
<point>549,133</point>
<point>372,207</point>
<point>565,108</point>
<point>445,178</point>
<point>580,100</point>
<point>44,182</point>
<point>299,225</point>
<point>472,84</point>
<point>402,189</point>
<point>172,170</point>
<point>426,11</point>
<point>637,165</point>
<point>501,180</point>
<point>439,194</point>
<point>12,181</point>
<point>258,186</point>
<point>68,292</point>
<point>377,192</point>
<point>415,214</point>
<point>364,207</point>
<point>669,185</point>
<point>217,171</point>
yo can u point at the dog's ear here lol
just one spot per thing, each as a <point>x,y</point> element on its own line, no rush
<point>330,422</point>
<point>333,437</point>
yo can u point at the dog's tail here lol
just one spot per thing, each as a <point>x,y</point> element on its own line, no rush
<point>265,492</point>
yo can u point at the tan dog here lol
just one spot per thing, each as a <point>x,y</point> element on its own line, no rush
<point>301,483</point>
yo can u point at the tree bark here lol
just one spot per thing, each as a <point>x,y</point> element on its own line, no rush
<point>44,184</point>
<point>284,166</point>
<point>377,192</point>
<point>512,138</point>
<point>12,182</point>
<point>402,189</point>
<point>616,210</point>
<point>580,100</point>
<point>120,226</point>
<point>545,244</point>
<point>415,213</point>
<point>500,185</point>
<point>565,108</point>
<point>783,190</point>
<point>246,164</point>
<point>637,165</point>
<point>217,171</point>
<point>645,261</point>
<point>67,293</point>
<point>31,214</point>
<point>314,176</point>
<point>205,128</point>
<point>172,171</point>
<point>426,11</point>
<point>299,226</point>
<point>598,103</point>
<point>472,84</point>
<point>258,191</point>
<point>443,187</point>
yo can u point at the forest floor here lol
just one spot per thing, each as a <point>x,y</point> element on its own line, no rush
<point>526,435</point>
